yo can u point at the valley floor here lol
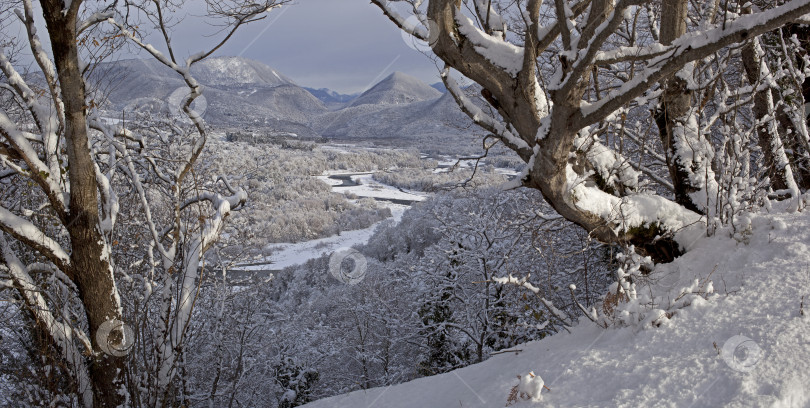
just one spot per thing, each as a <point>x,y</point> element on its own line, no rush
<point>747,345</point>
<point>289,254</point>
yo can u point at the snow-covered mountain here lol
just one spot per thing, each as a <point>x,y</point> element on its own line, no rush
<point>394,121</point>
<point>331,98</point>
<point>397,89</point>
<point>125,81</point>
<point>244,93</point>
<point>238,92</point>
<point>229,71</point>
<point>399,107</point>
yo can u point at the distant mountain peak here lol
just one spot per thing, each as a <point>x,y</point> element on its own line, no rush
<point>238,71</point>
<point>397,88</point>
<point>398,75</point>
<point>330,97</point>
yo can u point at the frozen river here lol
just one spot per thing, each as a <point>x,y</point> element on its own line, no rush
<point>360,185</point>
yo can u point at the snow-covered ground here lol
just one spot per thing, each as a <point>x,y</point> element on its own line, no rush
<point>447,161</point>
<point>747,345</point>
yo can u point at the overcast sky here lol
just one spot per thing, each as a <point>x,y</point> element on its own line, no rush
<point>344,45</point>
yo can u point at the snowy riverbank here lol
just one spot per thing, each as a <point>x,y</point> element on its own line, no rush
<point>361,185</point>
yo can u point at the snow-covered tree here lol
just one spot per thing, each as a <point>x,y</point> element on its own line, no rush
<point>105,246</point>
<point>564,78</point>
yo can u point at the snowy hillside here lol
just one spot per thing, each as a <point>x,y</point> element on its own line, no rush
<point>440,116</point>
<point>129,79</point>
<point>236,71</point>
<point>237,92</point>
<point>397,88</point>
<point>747,344</point>
<point>287,102</point>
<point>331,98</point>
<point>398,107</point>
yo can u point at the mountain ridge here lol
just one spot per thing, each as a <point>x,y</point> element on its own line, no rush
<point>248,94</point>
<point>396,89</point>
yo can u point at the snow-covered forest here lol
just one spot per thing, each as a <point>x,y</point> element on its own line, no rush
<point>597,203</point>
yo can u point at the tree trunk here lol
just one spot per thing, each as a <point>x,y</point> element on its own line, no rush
<point>518,96</point>
<point>91,268</point>
<point>797,142</point>
<point>674,108</point>
<point>767,133</point>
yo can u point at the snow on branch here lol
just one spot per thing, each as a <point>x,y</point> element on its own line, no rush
<point>546,35</point>
<point>653,175</point>
<point>563,317</point>
<point>44,175</point>
<point>490,18</point>
<point>613,168</point>
<point>584,58</point>
<point>565,15</point>
<point>48,71</point>
<point>624,213</point>
<point>481,118</point>
<point>61,334</point>
<point>38,170</point>
<point>421,32</point>
<point>190,281</point>
<point>690,47</point>
<point>92,20</point>
<point>625,54</point>
<point>41,114</point>
<point>238,198</point>
<point>499,52</point>
<point>28,233</point>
